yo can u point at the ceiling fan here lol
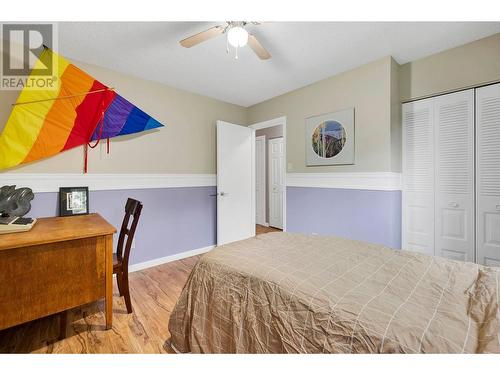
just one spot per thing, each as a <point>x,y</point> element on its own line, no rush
<point>236,36</point>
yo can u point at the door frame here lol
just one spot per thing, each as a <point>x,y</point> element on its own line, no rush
<point>263,179</point>
<point>268,124</point>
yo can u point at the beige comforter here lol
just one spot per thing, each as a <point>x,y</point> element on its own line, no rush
<point>292,293</point>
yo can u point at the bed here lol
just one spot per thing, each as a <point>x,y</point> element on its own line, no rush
<point>294,293</point>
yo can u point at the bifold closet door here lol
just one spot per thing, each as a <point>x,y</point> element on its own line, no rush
<point>454,175</point>
<point>418,177</point>
<point>488,175</point>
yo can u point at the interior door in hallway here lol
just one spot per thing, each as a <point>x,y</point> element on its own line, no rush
<point>276,182</point>
<point>260,180</point>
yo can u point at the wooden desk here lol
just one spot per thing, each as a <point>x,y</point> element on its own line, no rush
<point>63,262</point>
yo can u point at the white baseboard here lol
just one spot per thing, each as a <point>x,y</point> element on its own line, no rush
<point>168,259</point>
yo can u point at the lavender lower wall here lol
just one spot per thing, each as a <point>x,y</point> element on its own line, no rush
<point>368,215</point>
<point>173,220</point>
<point>180,219</point>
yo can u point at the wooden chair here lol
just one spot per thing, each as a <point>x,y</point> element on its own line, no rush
<point>120,259</point>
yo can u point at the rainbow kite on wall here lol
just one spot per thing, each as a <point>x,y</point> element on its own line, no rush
<point>80,110</point>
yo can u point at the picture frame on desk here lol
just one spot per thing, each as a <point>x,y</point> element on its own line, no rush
<point>73,201</point>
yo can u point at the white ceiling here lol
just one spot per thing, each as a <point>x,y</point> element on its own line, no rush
<point>302,52</point>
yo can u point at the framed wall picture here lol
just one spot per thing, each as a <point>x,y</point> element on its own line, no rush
<point>330,138</point>
<point>73,201</point>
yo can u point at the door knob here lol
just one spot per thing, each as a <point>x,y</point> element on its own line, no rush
<point>453,204</point>
<point>222,194</point>
<point>497,207</point>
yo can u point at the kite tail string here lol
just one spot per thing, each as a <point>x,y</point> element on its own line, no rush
<point>87,145</point>
<point>85,158</point>
<point>101,127</point>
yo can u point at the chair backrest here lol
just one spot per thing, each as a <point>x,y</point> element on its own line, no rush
<point>133,209</point>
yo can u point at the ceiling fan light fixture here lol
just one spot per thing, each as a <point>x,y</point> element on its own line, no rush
<point>237,36</point>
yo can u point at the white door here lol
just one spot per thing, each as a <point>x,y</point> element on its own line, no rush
<point>260,179</point>
<point>488,175</point>
<point>276,182</point>
<point>418,177</point>
<point>454,175</point>
<point>235,182</point>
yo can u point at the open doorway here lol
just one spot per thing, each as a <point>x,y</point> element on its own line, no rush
<point>270,175</point>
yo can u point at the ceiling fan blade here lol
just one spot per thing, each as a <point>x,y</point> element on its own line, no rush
<point>201,37</point>
<point>257,48</point>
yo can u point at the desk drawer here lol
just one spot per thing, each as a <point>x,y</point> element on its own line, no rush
<point>41,280</point>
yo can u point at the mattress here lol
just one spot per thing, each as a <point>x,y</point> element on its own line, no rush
<point>294,293</point>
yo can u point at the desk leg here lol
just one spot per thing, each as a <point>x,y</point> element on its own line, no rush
<point>109,281</point>
<point>63,323</point>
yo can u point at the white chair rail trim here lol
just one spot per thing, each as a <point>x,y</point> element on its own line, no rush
<point>50,182</point>
<point>346,180</point>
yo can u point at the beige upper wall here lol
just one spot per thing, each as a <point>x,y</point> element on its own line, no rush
<point>366,88</point>
<point>185,145</point>
<point>472,64</point>
<point>376,91</point>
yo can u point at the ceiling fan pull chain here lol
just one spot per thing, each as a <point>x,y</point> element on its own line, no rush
<point>227,45</point>
<point>237,53</point>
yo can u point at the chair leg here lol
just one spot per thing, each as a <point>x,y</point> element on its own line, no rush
<point>126,292</point>
<point>63,323</point>
<point>119,281</point>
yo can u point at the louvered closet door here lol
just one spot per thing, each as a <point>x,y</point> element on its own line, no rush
<point>454,175</point>
<point>418,177</point>
<point>488,175</point>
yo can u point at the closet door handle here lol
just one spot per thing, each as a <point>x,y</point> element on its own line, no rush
<point>453,204</point>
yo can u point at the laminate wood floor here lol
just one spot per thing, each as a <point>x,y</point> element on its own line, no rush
<point>154,292</point>
<point>260,229</point>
